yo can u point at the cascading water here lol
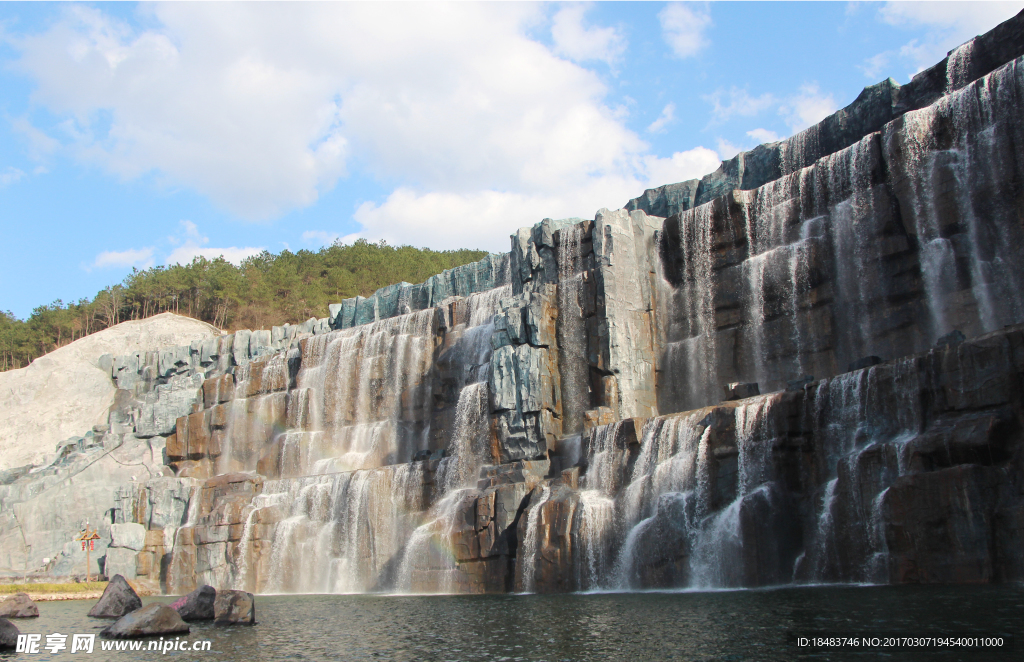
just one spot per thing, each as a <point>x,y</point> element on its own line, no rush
<point>957,156</point>
<point>572,335</point>
<point>689,327</point>
<point>354,508</point>
<point>529,548</point>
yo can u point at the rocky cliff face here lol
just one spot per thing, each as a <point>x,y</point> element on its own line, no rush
<point>806,367</point>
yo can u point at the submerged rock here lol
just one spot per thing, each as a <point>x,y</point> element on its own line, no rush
<point>234,608</point>
<point>118,599</point>
<point>197,605</point>
<point>150,620</point>
<point>18,605</point>
<point>8,635</point>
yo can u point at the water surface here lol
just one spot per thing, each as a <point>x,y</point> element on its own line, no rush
<point>753,625</point>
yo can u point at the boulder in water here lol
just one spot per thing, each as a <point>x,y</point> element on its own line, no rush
<point>150,620</point>
<point>118,599</point>
<point>18,605</point>
<point>8,635</point>
<point>197,605</point>
<point>234,608</point>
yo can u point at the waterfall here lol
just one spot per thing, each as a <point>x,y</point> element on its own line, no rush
<point>529,549</point>
<point>690,359</point>
<point>956,157</point>
<point>572,333</point>
<point>863,421</point>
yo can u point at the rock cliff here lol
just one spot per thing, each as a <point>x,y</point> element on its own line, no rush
<point>805,367</point>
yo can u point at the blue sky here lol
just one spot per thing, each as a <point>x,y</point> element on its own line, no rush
<point>141,134</point>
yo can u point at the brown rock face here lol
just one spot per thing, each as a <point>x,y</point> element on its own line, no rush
<point>234,608</point>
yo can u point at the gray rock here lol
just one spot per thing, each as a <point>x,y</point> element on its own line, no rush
<point>19,605</point>
<point>197,605</point>
<point>120,561</point>
<point>130,535</point>
<point>234,608</point>
<point>240,348</point>
<point>8,635</point>
<point>153,619</point>
<point>118,599</point>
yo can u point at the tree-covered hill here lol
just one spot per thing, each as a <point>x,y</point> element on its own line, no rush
<point>266,290</point>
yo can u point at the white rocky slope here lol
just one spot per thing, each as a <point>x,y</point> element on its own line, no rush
<point>65,392</point>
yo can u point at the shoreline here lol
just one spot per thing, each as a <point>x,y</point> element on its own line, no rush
<point>52,597</point>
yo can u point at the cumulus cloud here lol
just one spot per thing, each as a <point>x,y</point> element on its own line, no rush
<point>946,25</point>
<point>667,115</point>
<point>763,135</point>
<point>262,107</point>
<point>133,257</point>
<point>808,106</point>
<point>192,244</point>
<point>580,43</point>
<point>485,219</point>
<point>683,27</point>
<point>691,164</point>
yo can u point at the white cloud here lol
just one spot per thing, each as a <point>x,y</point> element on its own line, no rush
<point>736,101</point>
<point>192,244</point>
<point>727,149</point>
<point>133,257</point>
<point>763,135</point>
<point>806,107</point>
<point>40,145</point>
<point>947,25</point>
<point>485,219</point>
<point>580,43</point>
<point>10,175</point>
<point>683,27</point>
<point>667,115</point>
<point>967,17</point>
<point>691,164</point>
<point>876,64</point>
<point>261,106</point>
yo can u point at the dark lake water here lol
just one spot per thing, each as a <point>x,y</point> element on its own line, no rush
<point>751,625</point>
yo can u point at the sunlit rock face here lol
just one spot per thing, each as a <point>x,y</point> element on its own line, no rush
<point>805,367</point>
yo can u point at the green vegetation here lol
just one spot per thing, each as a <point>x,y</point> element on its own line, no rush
<point>68,587</point>
<point>266,290</point>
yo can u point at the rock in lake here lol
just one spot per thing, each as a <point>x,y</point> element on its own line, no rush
<point>18,605</point>
<point>234,608</point>
<point>151,620</point>
<point>8,635</point>
<point>118,599</point>
<point>197,605</point>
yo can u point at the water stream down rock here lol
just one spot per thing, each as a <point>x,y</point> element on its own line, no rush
<point>806,367</point>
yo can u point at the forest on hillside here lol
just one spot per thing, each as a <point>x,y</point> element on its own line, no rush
<point>264,291</point>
